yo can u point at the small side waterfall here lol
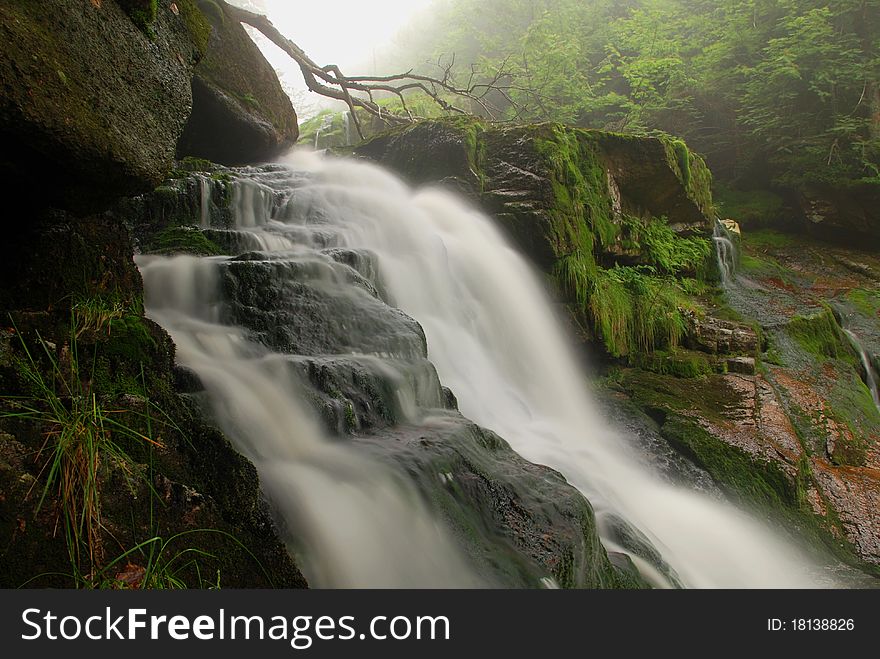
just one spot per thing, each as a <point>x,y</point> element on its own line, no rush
<point>869,373</point>
<point>204,202</point>
<point>725,252</point>
<point>326,124</point>
<point>333,234</point>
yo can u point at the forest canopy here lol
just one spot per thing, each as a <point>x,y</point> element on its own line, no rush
<point>781,91</point>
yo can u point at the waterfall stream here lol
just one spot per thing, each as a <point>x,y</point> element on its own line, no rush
<point>725,252</point>
<point>351,233</point>
<point>869,372</point>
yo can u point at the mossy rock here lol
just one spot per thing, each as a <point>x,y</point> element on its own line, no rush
<point>183,240</point>
<point>821,336</point>
<point>189,484</point>
<point>579,203</point>
<point>240,112</point>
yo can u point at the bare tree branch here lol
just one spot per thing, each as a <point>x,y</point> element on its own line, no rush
<point>329,81</point>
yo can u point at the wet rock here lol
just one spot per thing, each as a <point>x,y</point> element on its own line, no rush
<point>717,336</point>
<point>742,365</point>
<point>514,172</point>
<point>847,216</point>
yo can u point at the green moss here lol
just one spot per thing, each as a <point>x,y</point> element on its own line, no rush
<point>141,12</point>
<point>754,479</point>
<point>196,24</point>
<point>765,239</point>
<point>683,160</point>
<point>581,211</point>
<point>183,240</point>
<point>677,362</point>
<point>192,164</point>
<point>692,171</point>
<point>820,335</point>
<point>867,302</point>
<point>212,9</point>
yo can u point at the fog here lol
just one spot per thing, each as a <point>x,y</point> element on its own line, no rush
<point>349,33</point>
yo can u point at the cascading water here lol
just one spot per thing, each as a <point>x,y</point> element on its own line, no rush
<point>725,252</point>
<point>204,202</point>
<point>494,339</point>
<point>869,372</point>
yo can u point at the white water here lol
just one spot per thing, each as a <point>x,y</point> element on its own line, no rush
<point>867,366</point>
<point>358,524</point>
<point>204,202</point>
<point>725,253</point>
<point>496,343</point>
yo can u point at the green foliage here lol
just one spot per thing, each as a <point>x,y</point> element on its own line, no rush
<point>666,251</point>
<point>794,83</point>
<point>631,309</point>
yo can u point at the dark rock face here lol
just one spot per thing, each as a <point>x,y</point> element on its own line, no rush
<point>87,94</point>
<point>850,215</point>
<point>240,112</point>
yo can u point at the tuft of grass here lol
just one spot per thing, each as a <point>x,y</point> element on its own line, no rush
<point>79,439</point>
<point>96,315</point>
<point>158,564</point>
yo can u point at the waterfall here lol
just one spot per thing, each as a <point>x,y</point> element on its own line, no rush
<point>204,202</point>
<point>870,373</point>
<point>326,124</point>
<point>494,340</point>
<point>725,252</point>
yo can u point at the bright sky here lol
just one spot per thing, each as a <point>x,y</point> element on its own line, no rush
<point>343,32</point>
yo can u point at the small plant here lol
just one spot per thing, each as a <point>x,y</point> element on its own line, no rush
<point>79,439</point>
<point>96,314</point>
<point>153,565</point>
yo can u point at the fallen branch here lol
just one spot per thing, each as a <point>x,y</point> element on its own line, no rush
<point>329,81</point>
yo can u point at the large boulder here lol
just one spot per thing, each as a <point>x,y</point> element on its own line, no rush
<point>549,184</point>
<point>90,97</point>
<point>240,112</point>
